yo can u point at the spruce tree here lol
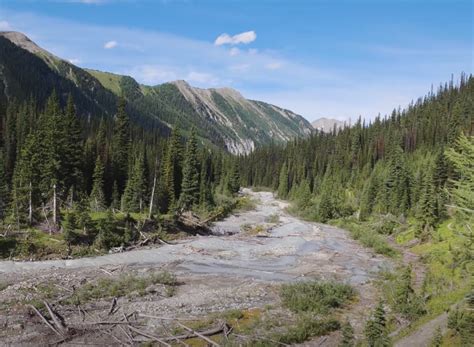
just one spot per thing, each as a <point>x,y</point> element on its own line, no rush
<point>69,226</point>
<point>376,328</point>
<point>233,183</point>
<point>283,182</point>
<point>72,148</point>
<point>97,198</point>
<point>4,198</point>
<point>173,170</point>
<point>190,186</point>
<point>347,335</point>
<point>121,146</point>
<point>134,193</point>
<point>428,203</point>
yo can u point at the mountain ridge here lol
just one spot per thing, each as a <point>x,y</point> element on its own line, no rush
<point>221,115</point>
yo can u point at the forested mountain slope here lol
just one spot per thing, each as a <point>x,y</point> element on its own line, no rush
<point>403,183</point>
<point>221,116</point>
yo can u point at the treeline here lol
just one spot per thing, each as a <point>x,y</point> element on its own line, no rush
<point>53,161</point>
<point>411,163</point>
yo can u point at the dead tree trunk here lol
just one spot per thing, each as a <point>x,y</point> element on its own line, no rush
<point>55,211</point>
<point>152,198</point>
<point>30,205</point>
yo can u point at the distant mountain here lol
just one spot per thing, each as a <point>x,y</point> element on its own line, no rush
<point>222,116</point>
<point>327,124</point>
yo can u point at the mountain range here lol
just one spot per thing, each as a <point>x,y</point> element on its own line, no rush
<point>221,116</point>
<point>327,124</point>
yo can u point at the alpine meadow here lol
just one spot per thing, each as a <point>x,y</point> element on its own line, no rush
<point>149,198</point>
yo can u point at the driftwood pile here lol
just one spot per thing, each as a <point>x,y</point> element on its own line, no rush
<point>126,329</point>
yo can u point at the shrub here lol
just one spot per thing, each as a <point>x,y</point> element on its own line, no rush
<point>317,297</point>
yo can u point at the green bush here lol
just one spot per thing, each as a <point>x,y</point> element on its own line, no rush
<point>316,297</point>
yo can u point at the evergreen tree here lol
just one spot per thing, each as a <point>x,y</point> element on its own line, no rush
<point>437,338</point>
<point>428,203</point>
<point>134,194</point>
<point>97,198</point>
<point>376,328</point>
<point>115,197</point>
<point>4,198</point>
<point>72,148</point>
<point>397,184</point>
<point>69,226</point>
<point>121,146</point>
<point>283,182</point>
<point>190,186</point>
<point>173,170</point>
<point>205,187</point>
<point>347,335</point>
<point>233,183</point>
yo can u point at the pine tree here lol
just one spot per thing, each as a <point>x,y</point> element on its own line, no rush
<point>173,170</point>
<point>121,146</point>
<point>72,148</point>
<point>69,226</point>
<point>376,328</point>
<point>347,335</point>
<point>437,338</point>
<point>233,183</point>
<point>429,203</point>
<point>404,290</point>
<point>4,198</point>
<point>26,177</point>
<point>205,186</point>
<point>97,198</point>
<point>397,185</point>
<point>134,193</point>
<point>283,182</point>
<point>115,204</point>
<point>190,186</point>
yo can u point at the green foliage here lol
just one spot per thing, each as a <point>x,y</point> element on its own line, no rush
<point>461,320</point>
<point>317,297</point>
<point>70,226</point>
<point>135,189</point>
<point>305,329</point>
<point>437,338</point>
<point>97,198</point>
<point>283,182</point>
<point>233,183</point>
<point>376,328</point>
<point>407,301</point>
<point>124,285</point>
<point>347,335</point>
<point>190,187</point>
<point>121,145</point>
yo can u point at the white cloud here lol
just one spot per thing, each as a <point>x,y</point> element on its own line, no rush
<point>74,61</point>
<point>110,44</point>
<point>274,65</point>
<point>245,38</point>
<point>4,25</point>
<point>234,51</point>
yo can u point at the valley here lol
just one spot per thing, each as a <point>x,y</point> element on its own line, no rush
<point>235,269</point>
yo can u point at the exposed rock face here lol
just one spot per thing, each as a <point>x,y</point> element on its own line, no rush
<point>327,124</point>
<point>221,116</point>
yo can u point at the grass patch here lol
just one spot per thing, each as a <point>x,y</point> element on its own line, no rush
<point>366,234</point>
<point>273,218</point>
<point>316,297</point>
<point>122,286</point>
<point>249,229</point>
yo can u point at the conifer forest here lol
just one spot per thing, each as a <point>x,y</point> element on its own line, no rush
<point>163,204</point>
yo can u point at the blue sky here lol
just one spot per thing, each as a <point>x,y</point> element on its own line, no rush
<point>318,58</point>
